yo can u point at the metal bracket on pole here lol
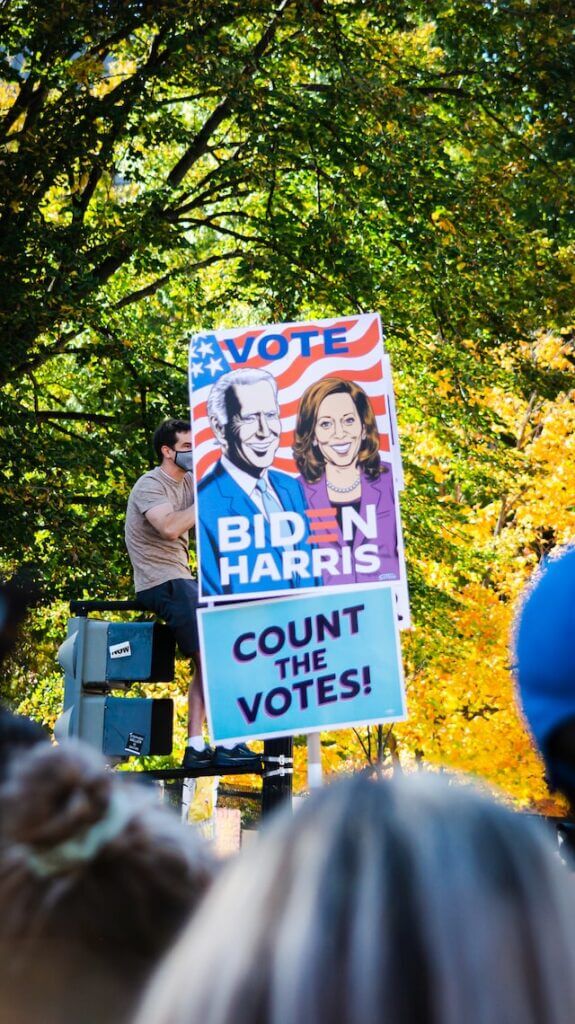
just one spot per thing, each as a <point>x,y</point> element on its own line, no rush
<point>285,765</point>
<point>278,771</point>
<point>277,765</point>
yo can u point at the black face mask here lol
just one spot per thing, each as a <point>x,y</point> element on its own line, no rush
<point>185,460</point>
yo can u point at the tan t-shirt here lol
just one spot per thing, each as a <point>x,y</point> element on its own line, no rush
<point>154,559</point>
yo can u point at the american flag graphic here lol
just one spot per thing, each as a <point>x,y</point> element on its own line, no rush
<point>214,353</point>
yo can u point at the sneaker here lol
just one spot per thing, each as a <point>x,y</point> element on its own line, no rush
<point>237,756</point>
<point>198,758</point>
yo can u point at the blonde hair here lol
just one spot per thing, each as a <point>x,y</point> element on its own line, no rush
<point>94,873</point>
<point>410,900</point>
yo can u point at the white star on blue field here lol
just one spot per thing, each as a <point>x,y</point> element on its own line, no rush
<point>207,361</point>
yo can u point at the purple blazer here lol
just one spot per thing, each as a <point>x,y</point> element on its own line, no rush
<point>380,493</point>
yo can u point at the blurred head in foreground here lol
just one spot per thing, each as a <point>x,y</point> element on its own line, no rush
<point>96,879</point>
<point>545,667</point>
<point>409,901</point>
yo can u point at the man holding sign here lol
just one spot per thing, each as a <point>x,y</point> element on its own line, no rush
<point>160,514</point>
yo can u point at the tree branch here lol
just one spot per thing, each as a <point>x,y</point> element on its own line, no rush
<point>191,98</point>
<point>20,104</point>
<point>526,419</point>
<point>150,289</point>
<point>43,415</point>
<point>520,141</point>
<point>45,353</point>
<point>87,499</point>
<point>208,223</point>
<point>363,745</point>
<point>204,197</point>
<point>224,108</point>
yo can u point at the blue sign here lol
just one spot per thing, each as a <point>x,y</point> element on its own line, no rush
<point>299,665</point>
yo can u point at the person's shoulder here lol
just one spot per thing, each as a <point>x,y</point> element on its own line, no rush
<point>213,474</point>
<point>281,479</point>
<point>381,484</point>
<point>385,472</point>
<point>149,485</point>
<point>152,477</point>
<point>306,485</point>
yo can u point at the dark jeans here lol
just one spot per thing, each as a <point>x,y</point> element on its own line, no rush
<point>176,602</point>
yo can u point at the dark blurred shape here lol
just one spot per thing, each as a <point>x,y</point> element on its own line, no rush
<point>545,667</point>
<point>17,595</point>
<point>17,733</point>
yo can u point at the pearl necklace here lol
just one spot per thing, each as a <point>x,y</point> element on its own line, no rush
<point>344,490</point>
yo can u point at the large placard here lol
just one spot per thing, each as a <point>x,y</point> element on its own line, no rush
<point>297,464</point>
<point>300,665</point>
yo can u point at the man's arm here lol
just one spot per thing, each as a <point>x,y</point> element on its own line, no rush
<point>169,524</point>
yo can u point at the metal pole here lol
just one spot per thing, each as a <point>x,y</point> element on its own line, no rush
<point>314,769</point>
<point>278,774</point>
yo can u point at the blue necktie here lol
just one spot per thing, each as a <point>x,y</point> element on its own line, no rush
<point>270,503</point>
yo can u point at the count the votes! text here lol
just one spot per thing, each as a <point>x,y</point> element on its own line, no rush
<point>322,686</point>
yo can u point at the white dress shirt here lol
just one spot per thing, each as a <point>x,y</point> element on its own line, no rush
<point>248,484</point>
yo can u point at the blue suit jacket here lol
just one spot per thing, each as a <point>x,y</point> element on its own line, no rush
<point>219,495</point>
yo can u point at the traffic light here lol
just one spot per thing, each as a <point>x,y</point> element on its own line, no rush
<point>99,657</point>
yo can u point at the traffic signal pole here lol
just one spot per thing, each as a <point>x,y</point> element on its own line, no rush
<point>277,773</point>
<point>98,657</point>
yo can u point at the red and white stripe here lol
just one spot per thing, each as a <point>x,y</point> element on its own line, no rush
<point>294,373</point>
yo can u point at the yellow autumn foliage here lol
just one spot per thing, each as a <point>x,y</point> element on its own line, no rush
<point>463,711</point>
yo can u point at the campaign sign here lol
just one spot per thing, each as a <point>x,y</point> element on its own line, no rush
<point>297,464</point>
<point>300,665</point>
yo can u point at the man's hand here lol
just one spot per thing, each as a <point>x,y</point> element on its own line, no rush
<point>169,524</point>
